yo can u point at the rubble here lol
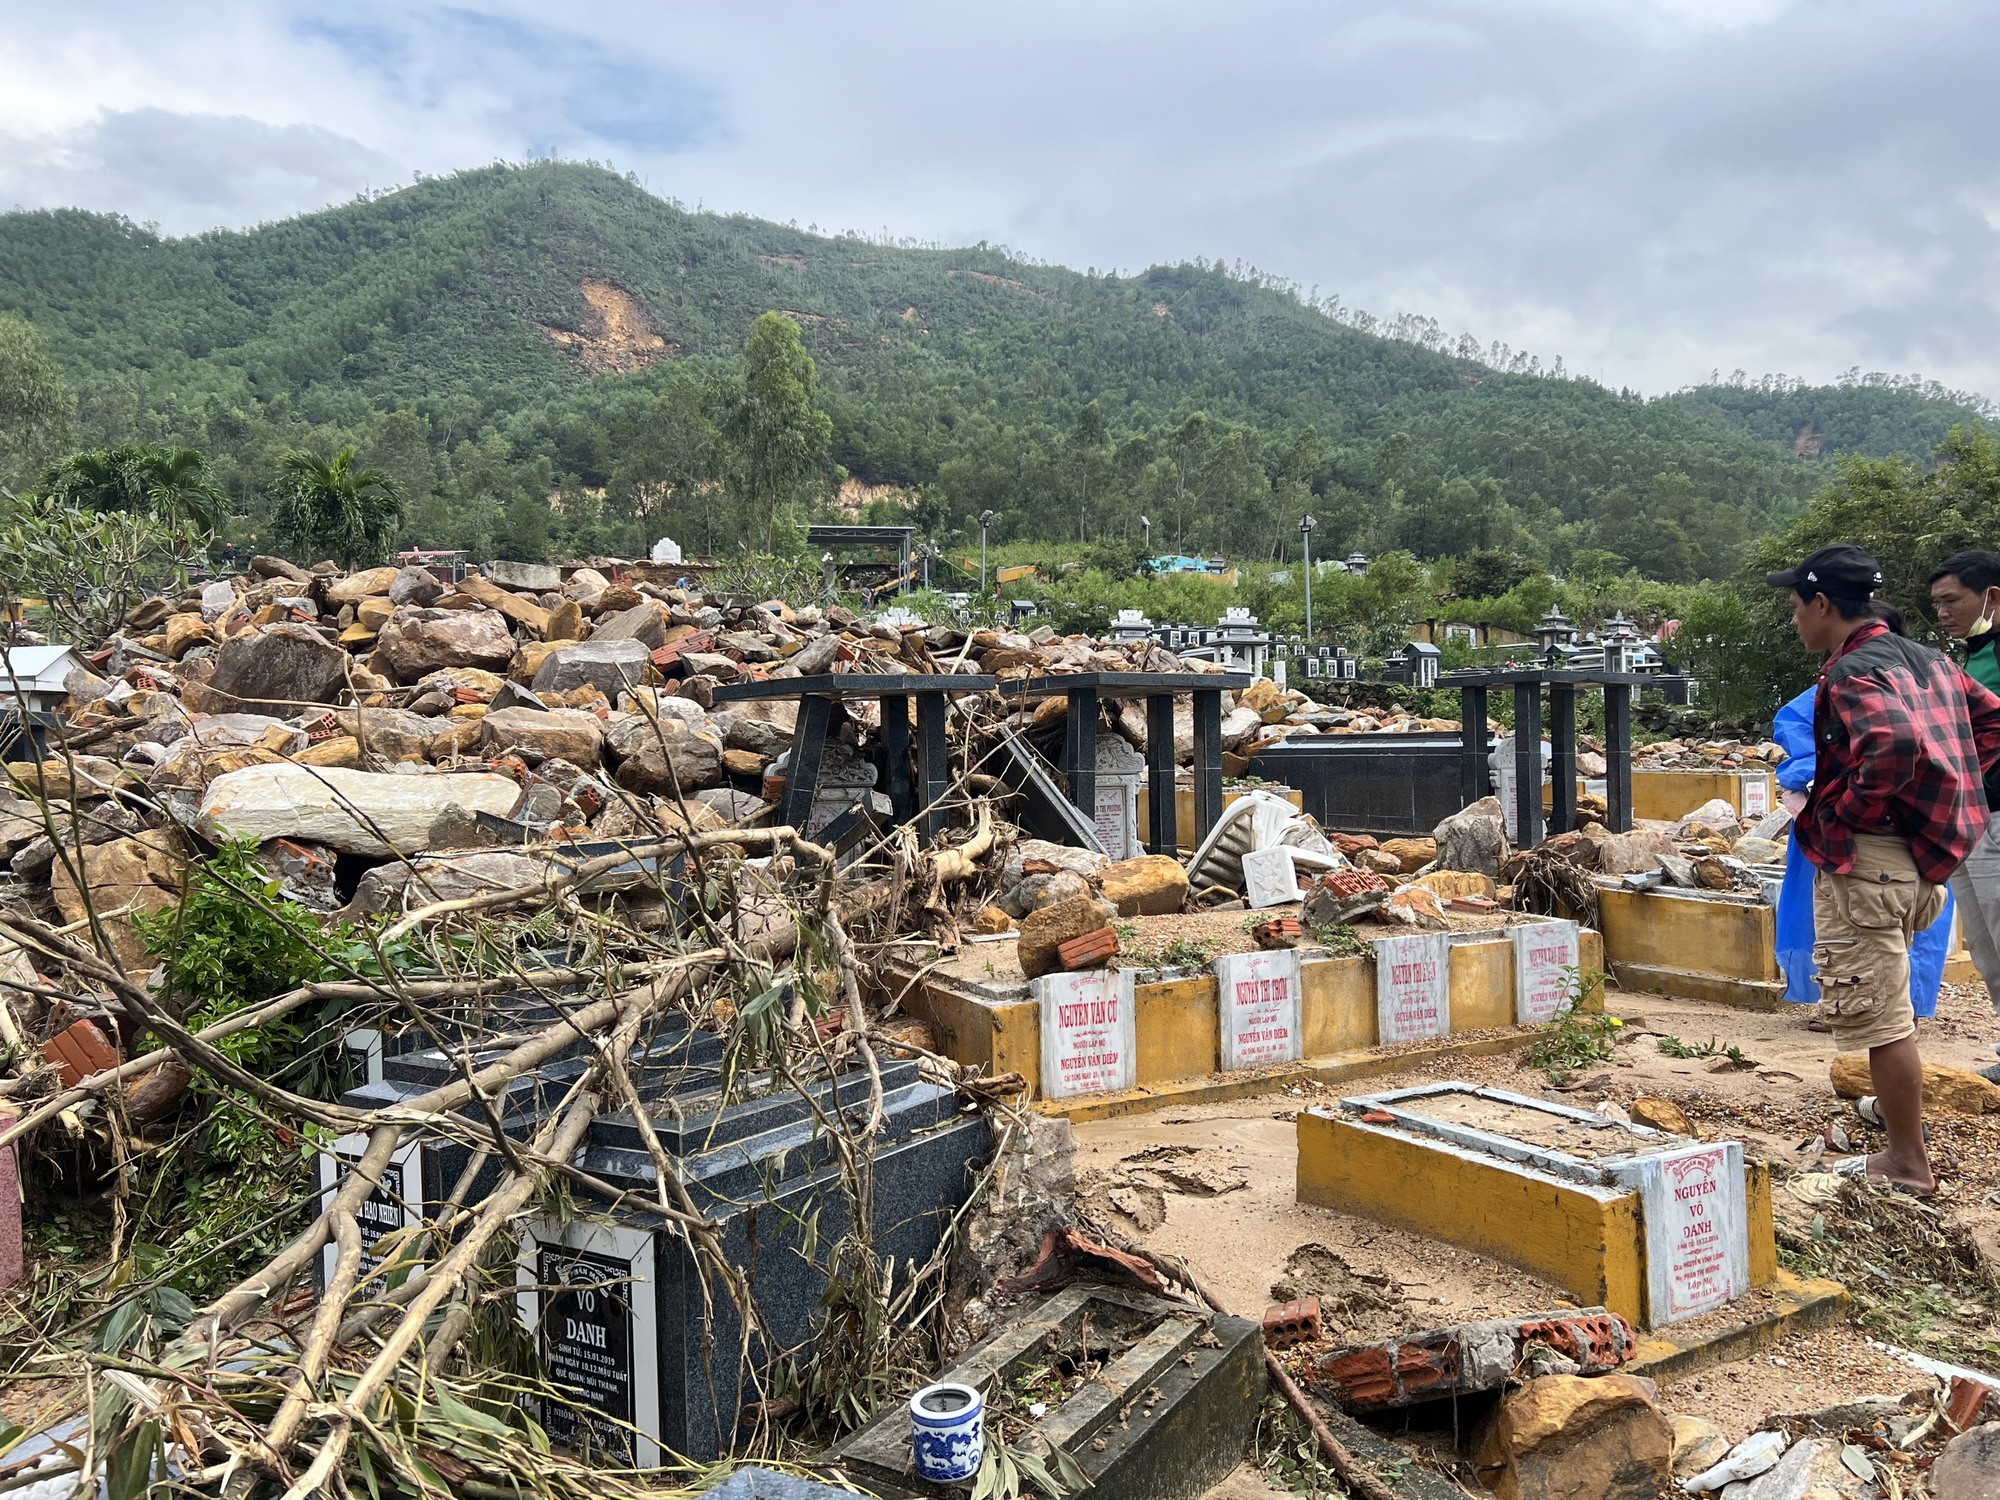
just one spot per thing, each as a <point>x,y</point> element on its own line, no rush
<point>1565,1437</point>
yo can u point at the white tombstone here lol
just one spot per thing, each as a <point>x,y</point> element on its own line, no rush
<point>1412,987</point>
<point>1270,878</point>
<point>1089,1033</point>
<point>666,550</point>
<point>1543,951</point>
<point>1261,1011</point>
<point>1120,770</point>
<point>1696,1214</point>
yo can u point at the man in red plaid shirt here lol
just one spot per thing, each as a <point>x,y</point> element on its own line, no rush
<point>1905,740</point>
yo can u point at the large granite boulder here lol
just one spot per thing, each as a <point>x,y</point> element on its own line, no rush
<point>273,670</point>
<point>356,812</point>
<point>415,643</point>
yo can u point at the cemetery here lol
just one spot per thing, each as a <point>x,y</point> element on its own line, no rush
<point>773,1030</point>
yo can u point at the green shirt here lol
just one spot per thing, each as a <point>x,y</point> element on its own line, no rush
<point>1982,661</point>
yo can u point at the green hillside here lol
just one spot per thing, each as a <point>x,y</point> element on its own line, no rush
<point>515,333</point>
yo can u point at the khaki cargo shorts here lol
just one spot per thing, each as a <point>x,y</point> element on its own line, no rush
<point>1864,921</point>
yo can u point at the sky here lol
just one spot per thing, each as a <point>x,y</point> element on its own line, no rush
<point>1655,190</point>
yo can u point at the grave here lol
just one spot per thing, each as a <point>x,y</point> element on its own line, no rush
<point>617,1306</point>
<point>1657,1227</point>
<point>1164,1413</point>
<point>1120,769</point>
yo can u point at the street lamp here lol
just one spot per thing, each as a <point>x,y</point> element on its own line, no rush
<point>1306,524</point>
<point>1147,522</point>
<point>985,520</point>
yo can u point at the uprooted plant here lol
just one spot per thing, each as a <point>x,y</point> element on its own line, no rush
<point>200,1349</point>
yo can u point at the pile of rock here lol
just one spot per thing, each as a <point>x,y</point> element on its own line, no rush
<point>1706,755</point>
<point>1712,848</point>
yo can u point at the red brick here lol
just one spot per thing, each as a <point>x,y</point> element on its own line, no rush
<point>1290,1323</point>
<point>80,1052</point>
<point>1090,951</point>
<point>1964,1401</point>
<point>1279,932</point>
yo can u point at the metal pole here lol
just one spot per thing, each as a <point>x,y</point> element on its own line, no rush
<point>984,517</point>
<point>1305,543</point>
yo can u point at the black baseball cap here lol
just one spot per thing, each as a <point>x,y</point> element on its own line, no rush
<point>1842,570</point>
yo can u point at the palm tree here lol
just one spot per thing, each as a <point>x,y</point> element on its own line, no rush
<point>173,484</point>
<point>331,508</point>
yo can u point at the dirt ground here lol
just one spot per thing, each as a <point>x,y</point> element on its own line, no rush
<point>1214,1183</point>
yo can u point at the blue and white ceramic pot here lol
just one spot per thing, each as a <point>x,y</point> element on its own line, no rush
<point>948,1432</point>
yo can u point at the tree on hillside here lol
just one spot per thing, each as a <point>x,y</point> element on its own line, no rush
<point>175,484</point>
<point>777,436</point>
<point>36,406</point>
<point>331,508</point>
<point>1086,462</point>
<point>667,461</point>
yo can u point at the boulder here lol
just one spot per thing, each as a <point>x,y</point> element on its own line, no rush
<point>1045,931</point>
<point>395,734</point>
<point>1698,1445</point>
<point>414,644</point>
<point>1041,852</point>
<point>1153,885</point>
<point>277,567</point>
<point>1662,1114</point>
<point>1411,854</point>
<point>1632,853</point>
<point>1716,814</point>
<point>1953,1090</point>
<point>1969,1467</point>
<point>367,584</point>
<point>451,877</point>
<point>611,666</point>
<point>547,734</point>
<point>1447,884</point>
<point>418,586</point>
<point>1571,1437</point>
<point>1474,840</point>
<point>532,577</point>
<point>185,632</point>
<point>356,812</point>
<point>513,606</point>
<point>759,736</point>
<point>272,670</point>
<point>1756,851</point>
<point>659,756</point>
<point>341,750</point>
<point>1414,906</point>
<point>82,778</point>
<point>141,873</point>
<point>645,622</point>
<point>565,622</point>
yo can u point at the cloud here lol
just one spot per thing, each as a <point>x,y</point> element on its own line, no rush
<point>1652,190</point>
<point>211,169</point>
<point>555,88</point>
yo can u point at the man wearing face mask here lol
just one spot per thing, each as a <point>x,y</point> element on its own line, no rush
<point>1965,590</point>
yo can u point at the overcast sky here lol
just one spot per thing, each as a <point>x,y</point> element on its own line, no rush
<point>1652,189</point>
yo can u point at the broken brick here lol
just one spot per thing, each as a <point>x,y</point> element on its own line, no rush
<point>1279,932</point>
<point>1287,1324</point>
<point>82,1051</point>
<point>1090,951</point>
<point>1466,1358</point>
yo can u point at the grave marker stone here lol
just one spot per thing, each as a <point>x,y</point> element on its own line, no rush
<point>1089,1037</point>
<point>1412,987</point>
<point>1697,1237</point>
<point>398,1201</point>
<point>590,1292</point>
<point>1270,878</point>
<point>1261,1019</point>
<point>1542,951</point>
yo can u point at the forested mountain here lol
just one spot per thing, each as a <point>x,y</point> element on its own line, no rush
<point>513,335</point>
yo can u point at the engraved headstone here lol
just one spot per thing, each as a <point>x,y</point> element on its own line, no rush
<point>1412,987</point>
<point>1261,1011</point>
<point>1696,1214</point>
<point>1545,962</point>
<point>1089,1038</point>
